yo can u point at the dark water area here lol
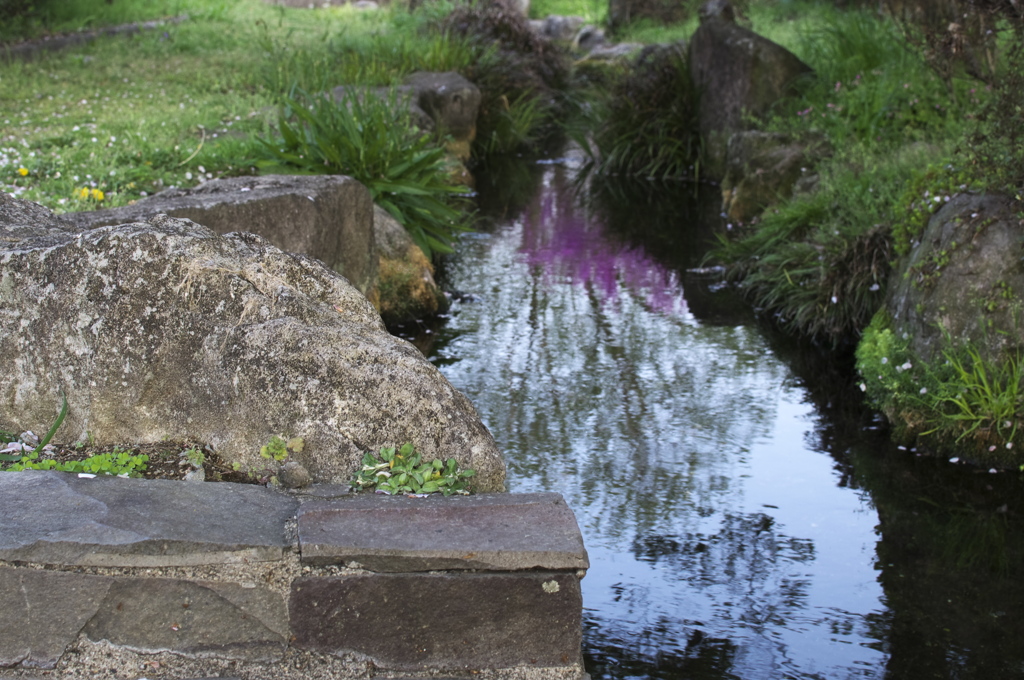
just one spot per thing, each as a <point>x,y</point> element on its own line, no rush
<point>746,516</point>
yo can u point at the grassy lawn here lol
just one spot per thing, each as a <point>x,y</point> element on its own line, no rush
<point>117,119</point>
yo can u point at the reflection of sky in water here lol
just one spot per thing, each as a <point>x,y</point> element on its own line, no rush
<point>721,545</point>
<point>569,248</point>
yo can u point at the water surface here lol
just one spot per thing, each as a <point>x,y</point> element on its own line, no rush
<point>721,478</point>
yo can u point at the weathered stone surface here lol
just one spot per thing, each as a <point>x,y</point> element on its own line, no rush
<point>761,169</point>
<point>42,612</point>
<point>59,518</point>
<point>166,329</point>
<point>738,74</point>
<point>406,289</point>
<point>204,618</point>
<point>328,217</point>
<point>964,274</point>
<point>21,220</point>
<point>489,532</point>
<point>452,102</point>
<point>459,621</point>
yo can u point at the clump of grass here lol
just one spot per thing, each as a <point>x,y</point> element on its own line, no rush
<point>965,403</point>
<point>647,125</point>
<point>373,140</point>
<point>818,264</point>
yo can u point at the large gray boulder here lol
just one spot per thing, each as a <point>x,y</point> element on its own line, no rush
<point>738,74</point>
<point>165,329</point>
<point>329,217</point>
<point>963,277</point>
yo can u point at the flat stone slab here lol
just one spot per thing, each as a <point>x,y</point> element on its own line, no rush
<point>496,532</point>
<point>444,622</point>
<point>42,612</point>
<point>59,518</point>
<point>196,618</point>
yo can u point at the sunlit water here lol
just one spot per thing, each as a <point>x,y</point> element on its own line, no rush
<point>726,538</point>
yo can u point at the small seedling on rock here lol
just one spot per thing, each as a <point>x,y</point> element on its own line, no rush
<point>403,472</point>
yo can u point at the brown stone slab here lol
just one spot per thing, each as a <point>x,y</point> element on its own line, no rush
<point>442,622</point>
<point>498,532</point>
<point>59,518</point>
<point>196,618</point>
<point>42,612</point>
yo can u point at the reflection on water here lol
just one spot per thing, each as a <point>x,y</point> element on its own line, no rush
<point>725,541</point>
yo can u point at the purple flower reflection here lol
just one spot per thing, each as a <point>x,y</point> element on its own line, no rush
<point>570,247</point>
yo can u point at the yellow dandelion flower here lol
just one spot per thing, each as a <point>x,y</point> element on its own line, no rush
<point>97,194</point>
<point>83,193</point>
<point>23,172</point>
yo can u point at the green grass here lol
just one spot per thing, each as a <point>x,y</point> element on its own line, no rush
<point>372,140</point>
<point>116,120</point>
<point>818,263</point>
<point>963,404</point>
<point>49,17</point>
<point>592,11</point>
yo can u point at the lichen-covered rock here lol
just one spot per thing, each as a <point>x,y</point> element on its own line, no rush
<point>24,219</point>
<point>963,277</point>
<point>328,217</point>
<point>739,74</point>
<point>165,329</point>
<point>406,289</point>
<point>761,168</point>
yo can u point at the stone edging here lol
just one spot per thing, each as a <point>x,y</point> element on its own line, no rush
<point>188,580</point>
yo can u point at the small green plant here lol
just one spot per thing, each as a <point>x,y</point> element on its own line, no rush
<point>117,463</point>
<point>278,449</point>
<point>373,140</point>
<point>8,437</point>
<point>403,472</point>
<point>963,402</point>
<point>195,456</point>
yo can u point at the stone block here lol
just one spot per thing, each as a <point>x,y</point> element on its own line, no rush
<point>329,217</point>
<point>195,618</point>
<point>42,612</point>
<point>59,518</point>
<point>497,532</point>
<point>444,622</point>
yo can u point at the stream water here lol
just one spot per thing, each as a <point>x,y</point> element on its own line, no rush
<point>745,516</point>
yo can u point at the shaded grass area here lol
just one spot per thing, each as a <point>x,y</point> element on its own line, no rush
<point>818,263</point>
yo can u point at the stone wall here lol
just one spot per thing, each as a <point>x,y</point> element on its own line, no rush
<point>161,579</point>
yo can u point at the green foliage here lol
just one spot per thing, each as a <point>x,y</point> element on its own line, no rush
<point>869,89</point>
<point>647,125</point>
<point>195,456</point>
<point>374,141</point>
<point>966,403</point>
<point>996,145</point>
<point>403,472</point>
<point>279,450</point>
<point>818,264</point>
<point>117,462</point>
<point>925,194</point>
<point>521,76</point>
